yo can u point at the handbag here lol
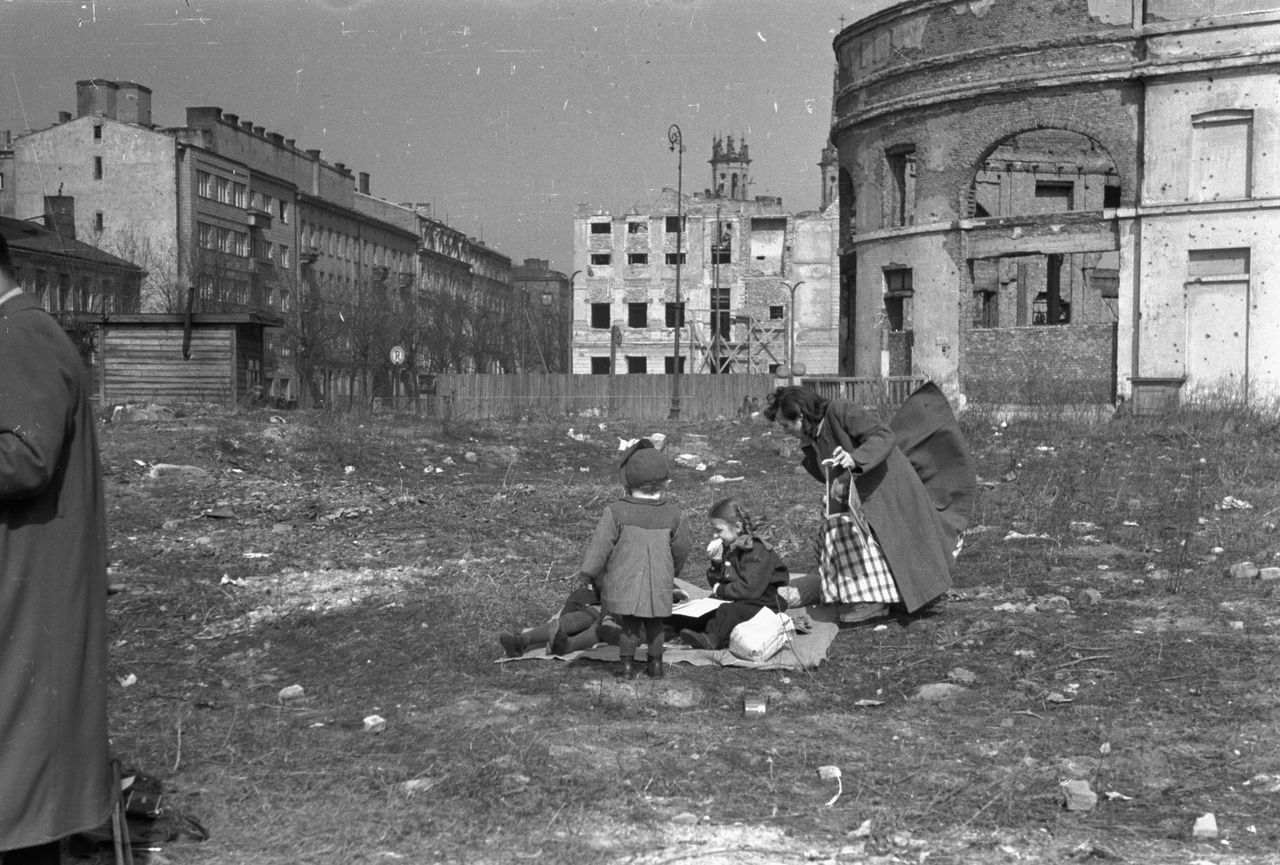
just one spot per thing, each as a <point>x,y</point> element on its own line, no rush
<point>851,566</point>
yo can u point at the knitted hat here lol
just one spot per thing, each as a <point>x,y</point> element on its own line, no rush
<point>644,466</point>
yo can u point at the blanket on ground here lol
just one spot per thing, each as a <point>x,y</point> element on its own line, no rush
<point>802,652</point>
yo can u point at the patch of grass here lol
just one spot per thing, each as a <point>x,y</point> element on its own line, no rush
<point>1153,693</point>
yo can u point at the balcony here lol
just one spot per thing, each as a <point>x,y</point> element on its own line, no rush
<point>258,218</point>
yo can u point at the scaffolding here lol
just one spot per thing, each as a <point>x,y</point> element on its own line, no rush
<point>752,346</point>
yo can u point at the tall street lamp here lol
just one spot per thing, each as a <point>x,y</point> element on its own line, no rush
<point>676,141</point>
<point>791,329</point>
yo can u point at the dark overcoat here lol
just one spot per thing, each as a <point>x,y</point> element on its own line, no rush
<point>916,526</point>
<point>54,774</point>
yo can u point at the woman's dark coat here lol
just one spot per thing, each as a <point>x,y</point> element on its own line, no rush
<point>915,480</point>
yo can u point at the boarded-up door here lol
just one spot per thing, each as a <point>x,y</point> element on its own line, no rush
<point>1218,335</point>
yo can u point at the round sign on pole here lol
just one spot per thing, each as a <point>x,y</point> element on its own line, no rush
<point>397,355</point>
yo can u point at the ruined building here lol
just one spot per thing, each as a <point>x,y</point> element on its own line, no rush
<point>754,279</point>
<point>1063,202</point>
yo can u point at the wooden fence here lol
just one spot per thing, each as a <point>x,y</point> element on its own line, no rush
<point>633,397</point>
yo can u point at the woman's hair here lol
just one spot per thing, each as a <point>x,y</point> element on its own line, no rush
<point>797,402</point>
<point>731,512</point>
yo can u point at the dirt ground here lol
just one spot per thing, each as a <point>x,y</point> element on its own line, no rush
<point>1095,684</point>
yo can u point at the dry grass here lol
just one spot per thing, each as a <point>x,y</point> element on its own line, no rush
<point>1153,694</point>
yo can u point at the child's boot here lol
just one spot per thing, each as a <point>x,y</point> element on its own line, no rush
<point>653,668</point>
<point>513,644</point>
<point>629,669</point>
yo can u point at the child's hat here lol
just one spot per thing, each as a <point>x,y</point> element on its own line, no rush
<point>644,466</point>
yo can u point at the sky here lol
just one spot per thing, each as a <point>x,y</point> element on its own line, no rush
<point>505,115</point>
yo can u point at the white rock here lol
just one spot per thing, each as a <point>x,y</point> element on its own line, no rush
<point>1243,571</point>
<point>1206,827</point>
<point>375,724</point>
<point>1078,796</point>
<point>292,692</point>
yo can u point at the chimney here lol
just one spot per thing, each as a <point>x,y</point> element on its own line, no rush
<point>233,119</point>
<point>276,138</point>
<point>60,215</point>
<point>259,131</point>
<point>64,116</point>
<point>203,116</point>
<point>290,142</point>
<point>247,126</point>
<point>364,182</point>
<point>315,171</point>
<point>133,105</point>
<point>341,166</point>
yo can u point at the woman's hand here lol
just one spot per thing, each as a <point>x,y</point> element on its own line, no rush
<point>841,457</point>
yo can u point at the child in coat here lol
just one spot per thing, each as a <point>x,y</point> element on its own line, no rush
<point>743,570</point>
<point>578,625</point>
<point>638,549</point>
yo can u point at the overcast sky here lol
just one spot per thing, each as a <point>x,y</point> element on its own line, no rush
<point>504,114</point>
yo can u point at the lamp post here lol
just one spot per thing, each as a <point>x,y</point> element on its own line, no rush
<point>676,140</point>
<point>791,330</point>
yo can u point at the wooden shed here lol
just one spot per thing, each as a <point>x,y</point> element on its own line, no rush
<point>159,357</point>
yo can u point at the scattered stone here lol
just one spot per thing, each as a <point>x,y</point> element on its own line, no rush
<point>1269,574</point>
<point>963,676</point>
<point>1088,598</point>
<point>375,724</point>
<point>168,470</point>
<point>471,457</point>
<point>1236,625</point>
<point>292,692</point>
<point>1055,603</point>
<point>937,692</point>
<point>1243,571</point>
<point>721,479</point>
<point>1083,526</point>
<point>417,785</point>
<point>685,819</point>
<point>171,525</point>
<point>1206,827</point>
<point>1078,796</point>
<point>1009,477</point>
<point>1231,503</point>
<point>126,413</point>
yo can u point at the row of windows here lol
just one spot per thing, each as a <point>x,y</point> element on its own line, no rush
<point>226,240</point>
<point>639,259</point>
<point>638,313</point>
<point>671,224</point>
<point>222,189</point>
<point>56,292</point>
<point>338,245</point>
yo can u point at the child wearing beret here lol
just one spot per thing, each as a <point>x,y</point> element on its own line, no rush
<point>638,549</point>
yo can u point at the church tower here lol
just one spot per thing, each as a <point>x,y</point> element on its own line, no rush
<point>830,165</point>
<point>729,169</point>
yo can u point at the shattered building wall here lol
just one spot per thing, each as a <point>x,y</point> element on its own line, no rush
<point>994,151</point>
<point>740,258</point>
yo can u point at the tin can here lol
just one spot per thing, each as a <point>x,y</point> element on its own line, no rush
<point>754,707</point>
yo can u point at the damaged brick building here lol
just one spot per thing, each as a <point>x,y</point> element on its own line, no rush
<point>1065,202</point>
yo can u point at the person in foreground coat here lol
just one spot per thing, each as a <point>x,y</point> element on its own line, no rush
<point>914,477</point>
<point>54,771</point>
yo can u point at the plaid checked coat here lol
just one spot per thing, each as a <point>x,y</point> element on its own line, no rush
<point>915,480</point>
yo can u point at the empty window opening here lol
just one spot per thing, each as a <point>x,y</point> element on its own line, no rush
<point>99,221</point>
<point>672,224</point>
<point>637,315</point>
<point>600,365</point>
<point>669,364</point>
<point>601,258</point>
<point>638,259</point>
<point>1044,171</point>
<point>675,315</point>
<point>97,132</point>
<point>637,228</point>
<point>777,313</point>
<point>600,316</point>
<point>97,168</point>
<point>677,258</point>
<point>601,228</point>
<point>637,364</point>
<point>720,312</point>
